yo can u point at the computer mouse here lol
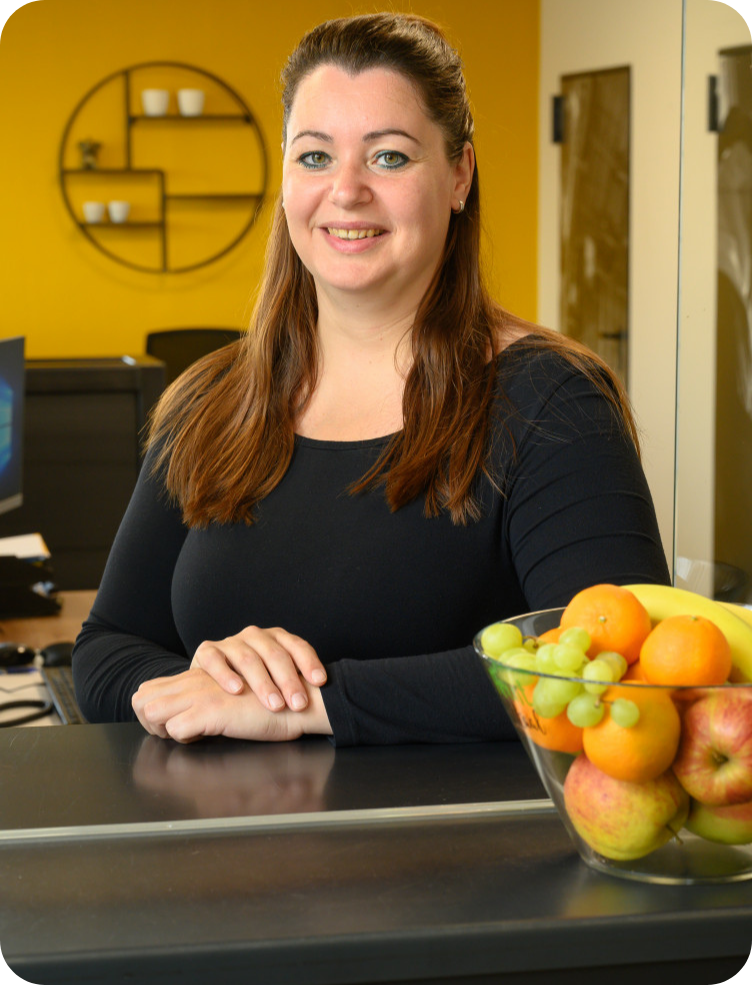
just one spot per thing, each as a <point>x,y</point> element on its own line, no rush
<point>57,654</point>
<point>16,655</point>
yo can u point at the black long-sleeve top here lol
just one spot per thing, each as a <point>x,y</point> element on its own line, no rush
<point>389,600</point>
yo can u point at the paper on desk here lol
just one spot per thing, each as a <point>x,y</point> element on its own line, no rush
<point>25,546</point>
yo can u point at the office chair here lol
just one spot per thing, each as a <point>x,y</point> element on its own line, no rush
<point>179,347</point>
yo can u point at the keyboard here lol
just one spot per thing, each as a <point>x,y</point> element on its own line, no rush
<point>59,681</point>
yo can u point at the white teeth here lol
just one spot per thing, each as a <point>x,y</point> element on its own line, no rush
<point>354,233</point>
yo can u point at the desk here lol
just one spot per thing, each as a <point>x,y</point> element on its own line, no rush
<point>124,857</point>
<point>38,633</point>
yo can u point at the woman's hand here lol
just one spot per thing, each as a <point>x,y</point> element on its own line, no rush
<point>192,705</point>
<point>275,664</point>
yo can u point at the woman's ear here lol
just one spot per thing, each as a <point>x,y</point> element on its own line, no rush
<point>463,176</point>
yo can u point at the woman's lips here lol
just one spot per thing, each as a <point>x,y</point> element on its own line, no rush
<point>353,240</point>
<point>353,233</point>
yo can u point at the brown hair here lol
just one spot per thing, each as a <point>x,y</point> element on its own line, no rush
<point>226,427</point>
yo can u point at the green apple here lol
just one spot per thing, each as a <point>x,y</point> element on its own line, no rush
<point>730,824</point>
<point>619,819</point>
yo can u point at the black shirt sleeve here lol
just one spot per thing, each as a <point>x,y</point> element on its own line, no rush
<point>129,636</point>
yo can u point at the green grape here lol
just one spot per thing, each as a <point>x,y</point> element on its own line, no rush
<point>522,661</point>
<point>519,657</point>
<point>562,691</point>
<point>625,712</point>
<point>520,652</point>
<point>543,704</point>
<point>585,710</point>
<point>499,638</point>
<point>598,670</point>
<point>499,677</point>
<point>576,637</point>
<point>544,658</point>
<point>531,644</point>
<point>617,661</point>
<point>568,657</point>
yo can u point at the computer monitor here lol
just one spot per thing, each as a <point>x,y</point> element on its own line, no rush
<point>12,390</point>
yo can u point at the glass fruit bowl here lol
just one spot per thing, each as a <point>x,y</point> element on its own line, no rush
<point>659,789</point>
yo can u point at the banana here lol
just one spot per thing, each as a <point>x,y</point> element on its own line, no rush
<point>739,610</point>
<point>662,601</point>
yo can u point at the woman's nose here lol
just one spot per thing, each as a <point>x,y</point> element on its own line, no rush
<point>350,187</point>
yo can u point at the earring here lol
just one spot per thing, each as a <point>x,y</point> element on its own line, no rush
<point>460,209</point>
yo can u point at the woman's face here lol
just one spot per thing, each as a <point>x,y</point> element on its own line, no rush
<point>367,186</point>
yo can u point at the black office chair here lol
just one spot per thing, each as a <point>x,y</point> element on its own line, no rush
<point>179,347</point>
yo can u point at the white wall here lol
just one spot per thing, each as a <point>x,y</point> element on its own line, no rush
<point>584,35</point>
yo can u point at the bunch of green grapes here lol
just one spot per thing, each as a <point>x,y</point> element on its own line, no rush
<point>565,677</point>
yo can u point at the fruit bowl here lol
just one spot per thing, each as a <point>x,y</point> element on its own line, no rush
<point>665,798</point>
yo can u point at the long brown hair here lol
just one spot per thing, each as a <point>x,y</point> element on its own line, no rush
<point>226,427</point>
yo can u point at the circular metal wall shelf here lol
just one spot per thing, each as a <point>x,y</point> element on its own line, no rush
<point>239,116</point>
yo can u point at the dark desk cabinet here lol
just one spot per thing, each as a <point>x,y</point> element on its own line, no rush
<point>82,451</point>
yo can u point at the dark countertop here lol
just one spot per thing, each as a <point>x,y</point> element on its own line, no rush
<point>392,864</point>
<point>111,774</point>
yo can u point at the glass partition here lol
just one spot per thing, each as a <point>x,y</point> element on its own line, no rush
<point>594,227</point>
<point>713,523</point>
<point>609,207</point>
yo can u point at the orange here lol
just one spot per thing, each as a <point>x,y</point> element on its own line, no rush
<point>645,750</point>
<point>686,650</point>
<point>634,672</point>
<point>551,635</point>
<point>614,617</point>
<point>550,733</point>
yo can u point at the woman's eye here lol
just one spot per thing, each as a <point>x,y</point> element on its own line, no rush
<point>314,159</point>
<point>391,159</point>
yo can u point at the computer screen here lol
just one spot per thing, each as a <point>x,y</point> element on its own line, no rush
<point>11,422</point>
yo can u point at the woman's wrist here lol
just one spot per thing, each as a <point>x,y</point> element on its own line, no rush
<point>313,719</point>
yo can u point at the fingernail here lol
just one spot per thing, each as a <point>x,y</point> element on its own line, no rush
<point>236,686</point>
<point>298,702</point>
<point>318,676</point>
<point>275,702</point>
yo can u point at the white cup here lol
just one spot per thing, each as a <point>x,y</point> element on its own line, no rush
<point>155,101</point>
<point>190,102</point>
<point>118,210</point>
<point>93,211</point>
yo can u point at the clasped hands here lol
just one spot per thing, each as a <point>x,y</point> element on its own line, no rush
<point>261,684</point>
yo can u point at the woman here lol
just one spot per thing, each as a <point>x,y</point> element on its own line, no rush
<point>331,508</point>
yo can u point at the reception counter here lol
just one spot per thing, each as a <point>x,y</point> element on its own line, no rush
<point>125,858</point>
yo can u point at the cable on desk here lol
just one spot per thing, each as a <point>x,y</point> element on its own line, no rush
<point>42,708</point>
<point>15,690</point>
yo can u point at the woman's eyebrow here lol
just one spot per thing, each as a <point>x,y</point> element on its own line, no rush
<point>367,137</point>
<point>378,134</point>
<point>317,134</point>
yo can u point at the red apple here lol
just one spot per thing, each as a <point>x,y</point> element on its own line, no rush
<point>729,825</point>
<point>714,760</point>
<point>619,819</point>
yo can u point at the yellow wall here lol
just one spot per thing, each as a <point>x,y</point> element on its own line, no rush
<point>69,299</point>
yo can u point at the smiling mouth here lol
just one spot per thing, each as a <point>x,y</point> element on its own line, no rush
<point>354,233</point>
